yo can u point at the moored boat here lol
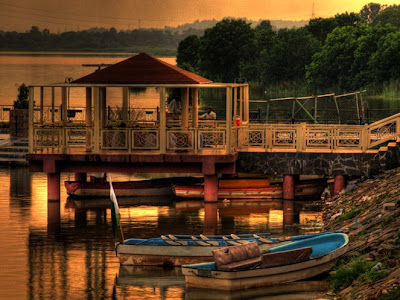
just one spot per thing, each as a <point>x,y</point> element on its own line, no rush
<point>294,261</point>
<point>303,190</point>
<point>98,187</point>
<point>176,250</point>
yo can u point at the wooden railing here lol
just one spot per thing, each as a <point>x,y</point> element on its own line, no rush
<point>249,137</point>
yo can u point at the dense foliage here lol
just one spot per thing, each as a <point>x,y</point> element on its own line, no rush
<point>343,53</point>
<point>22,101</point>
<point>154,41</point>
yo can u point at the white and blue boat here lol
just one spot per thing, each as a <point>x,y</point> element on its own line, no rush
<point>298,260</point>
<point>177,250</point>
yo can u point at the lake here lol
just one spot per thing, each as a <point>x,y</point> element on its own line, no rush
<point>54,67</point>
<point>74,258</point>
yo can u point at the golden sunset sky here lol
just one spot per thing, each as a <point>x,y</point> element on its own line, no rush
<point>61,15</point>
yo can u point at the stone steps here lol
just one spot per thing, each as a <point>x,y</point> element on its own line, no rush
<point>13,152</point>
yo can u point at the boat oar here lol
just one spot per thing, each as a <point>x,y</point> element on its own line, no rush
<point>231,242</point>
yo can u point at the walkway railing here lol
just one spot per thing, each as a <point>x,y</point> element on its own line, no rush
<point>251,137</point>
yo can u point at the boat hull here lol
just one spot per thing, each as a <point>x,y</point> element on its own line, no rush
<point>205,276</point>
<point>304,190</point>
<point>139,188</point>
<point>147,255</point>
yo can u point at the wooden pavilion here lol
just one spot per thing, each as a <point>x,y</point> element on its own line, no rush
<point>59,143</point>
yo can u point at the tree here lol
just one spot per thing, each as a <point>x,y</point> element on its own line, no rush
<point>370,11</point>
<point>363,70</point>
<point>22,101</point>
<point>264,25</point>
<point>332,66</point>
<point>287,56</point>
<point>188,53</point>
<point>225,48</point>
<point>390,15</point>
<point>385,62</point>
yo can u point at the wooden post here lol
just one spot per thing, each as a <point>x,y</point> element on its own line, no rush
<point>362,108</point>
<point>41,105</point>
<point>103,107</point>
<point>241,104</point>
<point>53,186</point>
<point>31,124</point>
<point>246,103</point>
<point>235,93</point>
<point>337,108</point>
<point>125,101</point>
<point>358,110</point>
<point>96,125</point>
<point>53,98</point>
<point>88,118</point>
<point>195,106</point>
<point>163,122</point>
<point>185,107</point>
<point>64,106</point>
<point>228,119</point>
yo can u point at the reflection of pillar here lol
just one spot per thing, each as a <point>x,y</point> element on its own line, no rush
<point>210,188</point>
<point>339,183</point>
<point>210,218</point>
<point>288,187</point>
<point>288,212</point>
<point>53,217</point>
<point>81,177</point>
<point>53,187</point>
<point>80,216</point>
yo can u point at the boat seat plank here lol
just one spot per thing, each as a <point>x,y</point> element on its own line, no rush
<point>285,257</point>
<point>215,243</point>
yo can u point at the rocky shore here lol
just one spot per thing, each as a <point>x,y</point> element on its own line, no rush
<point>369,212</point>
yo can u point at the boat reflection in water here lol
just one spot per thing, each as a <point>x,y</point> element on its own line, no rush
<point>161,283</point>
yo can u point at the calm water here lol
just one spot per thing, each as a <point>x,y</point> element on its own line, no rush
<point>66,250</point>
<point>46,68</point>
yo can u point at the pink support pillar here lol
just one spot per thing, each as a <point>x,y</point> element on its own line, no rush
<point>53,186</point>
<point>288,187</point>
<point>81,177</point>
<point>210,188</point>
<point>339,183</point>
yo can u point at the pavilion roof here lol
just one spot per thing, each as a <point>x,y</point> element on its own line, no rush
<point>142,69</point>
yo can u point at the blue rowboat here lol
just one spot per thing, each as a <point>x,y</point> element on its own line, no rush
<point>176,250</point>
<point>298,260</point>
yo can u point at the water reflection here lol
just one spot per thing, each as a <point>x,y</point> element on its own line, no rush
<point>66,250</point>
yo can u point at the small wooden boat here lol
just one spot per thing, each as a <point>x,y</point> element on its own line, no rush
<point>290,262</point>
<point>176,250</point>
<point>98,187</point>
<point>303,190</point>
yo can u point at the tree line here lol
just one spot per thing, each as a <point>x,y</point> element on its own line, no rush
<point>349,51</point>
<point>155,41</point>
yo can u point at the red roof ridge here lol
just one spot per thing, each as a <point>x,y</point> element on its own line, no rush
<point>142,69</point>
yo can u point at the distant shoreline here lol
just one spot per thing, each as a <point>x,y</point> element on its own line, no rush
<point>81,53</point>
